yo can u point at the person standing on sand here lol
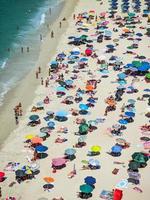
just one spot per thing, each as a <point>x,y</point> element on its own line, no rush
<point>37,74</point>
<point>49,71</point>
<point>74,16</point>
<point>52,34</point>
<point>39,69</point>
<point>59,24</point>
<point>42,81</point>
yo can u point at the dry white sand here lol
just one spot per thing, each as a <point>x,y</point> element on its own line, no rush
<point>14,150</point>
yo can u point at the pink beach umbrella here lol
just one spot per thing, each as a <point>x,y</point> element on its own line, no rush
<point>58,161</point>
<point>103,14</point>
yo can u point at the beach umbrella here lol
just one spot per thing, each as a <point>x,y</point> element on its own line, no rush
<point>34,117</point>
<point>83,128</point>
<point>54,62</point>
<point>48,186</point>
<point>51,124</point>
<point>36,140</point>
<point>139,157</point>
<point>95,148</point>
<point>61,113</point>
<point>139,34</point>
<point>70,151</point>
<point>42,134</point>
<point>123,121</point>
<point>45,129</point>
<point>29,137</point>
<point>131,14</point>
<point>136,63</point>
<point>90,100</point>
<point>147,76</point>
<point>41,148</point>
<point>90,180</point>
<point>61,55</point>
<point>58,161</point>
<point>83,59</point>
<point>144,68</point>
<point>131,101</point>
<point>88,52</point>
<point>116,149</point>
<point>34,166</point>
<point>83,107</point>
<point>116,126</point>
<point>82,138</point>
<point>130,114</point>
<point>61,89</point>
<point>86,188</point>
<point>134,165</point>
<point>121,75</point>
<point>69,82</point>
<point>2,174</point>
<point>19,173</point>
<point>94,162</point>
<point>122,82</point>
<point>48,179</point>
<point>110,46</point>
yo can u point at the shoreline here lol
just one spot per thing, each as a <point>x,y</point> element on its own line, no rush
<point>17,94</point>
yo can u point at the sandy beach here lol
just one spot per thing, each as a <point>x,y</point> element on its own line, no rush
<point>30,92</point>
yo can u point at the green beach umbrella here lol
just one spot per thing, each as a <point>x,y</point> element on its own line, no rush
<point>84,161</point>
<point>136,63</point>
<point>86,188</point>
<point>139,157</point>
<point>131,14</point>
<point>83,128</point>
<point>134,165</point>
<point>147,75</point>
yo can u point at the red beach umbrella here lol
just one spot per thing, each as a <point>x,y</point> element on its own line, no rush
<point>88,52</point>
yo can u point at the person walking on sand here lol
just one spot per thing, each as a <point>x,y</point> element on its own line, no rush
<point>59,24</point>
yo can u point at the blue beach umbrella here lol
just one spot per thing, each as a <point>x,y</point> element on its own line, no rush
<point>116,149</point>
<point>90,100</point>
<point>51,124</point>
<point>110,46</point>
<point>83,59</point>
<point>61,113</point>
<point>130,114</point>
<point>69,82</point>
<point>90,180</point>
<point>131,101</point>
<point>34,117</point>
<point>54,62</point>
<point>41,148</point>
<point>61,55</point>
<point>121,75</point>
<point>94,162</point>
<point>60,89</point>
<point>70,151</point>
<point>122,82</point>
<point>41,134</point>
<point>123,121</point>
<point>83,107</point>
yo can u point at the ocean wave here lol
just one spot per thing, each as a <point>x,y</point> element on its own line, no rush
<point>3,65</point>
<point>42,20</point>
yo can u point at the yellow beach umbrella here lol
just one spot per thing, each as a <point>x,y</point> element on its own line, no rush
<point>29,136</point>
<point>95,148</point>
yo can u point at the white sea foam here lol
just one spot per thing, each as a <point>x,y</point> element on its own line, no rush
<point>3,65</point>
<point>42,21</point>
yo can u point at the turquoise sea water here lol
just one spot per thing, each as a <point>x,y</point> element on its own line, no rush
<point>21,23</point>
